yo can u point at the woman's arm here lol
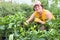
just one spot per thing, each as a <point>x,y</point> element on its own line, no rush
<point>49,15</point>
<point>31,18</point>
<point>42,22</point>
<point>38,20</point>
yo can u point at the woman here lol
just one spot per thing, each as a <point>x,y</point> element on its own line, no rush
<point>40,15</point>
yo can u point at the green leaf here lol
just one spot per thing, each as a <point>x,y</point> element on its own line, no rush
<point>11,36</point>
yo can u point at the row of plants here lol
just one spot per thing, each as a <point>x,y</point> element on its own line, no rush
<point>14,24</point>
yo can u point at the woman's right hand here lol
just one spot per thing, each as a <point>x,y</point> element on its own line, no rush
<point>37,20</point>
<point>26,23</point>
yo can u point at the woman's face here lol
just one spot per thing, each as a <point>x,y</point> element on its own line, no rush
<point>38,8</point>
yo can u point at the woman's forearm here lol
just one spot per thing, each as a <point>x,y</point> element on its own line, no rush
<point>31,18</point>
<point>42,22</point>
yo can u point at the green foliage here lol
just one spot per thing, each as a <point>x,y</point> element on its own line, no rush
<point>44,3</point>
<point>11,9</point>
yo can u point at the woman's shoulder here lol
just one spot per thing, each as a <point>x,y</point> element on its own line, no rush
<point>35,13</point>
<point>47,11</point>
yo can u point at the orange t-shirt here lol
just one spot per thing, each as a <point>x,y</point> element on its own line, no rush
<point>42,17</point>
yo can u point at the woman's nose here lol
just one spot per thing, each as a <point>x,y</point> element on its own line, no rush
<point>36,7</point>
